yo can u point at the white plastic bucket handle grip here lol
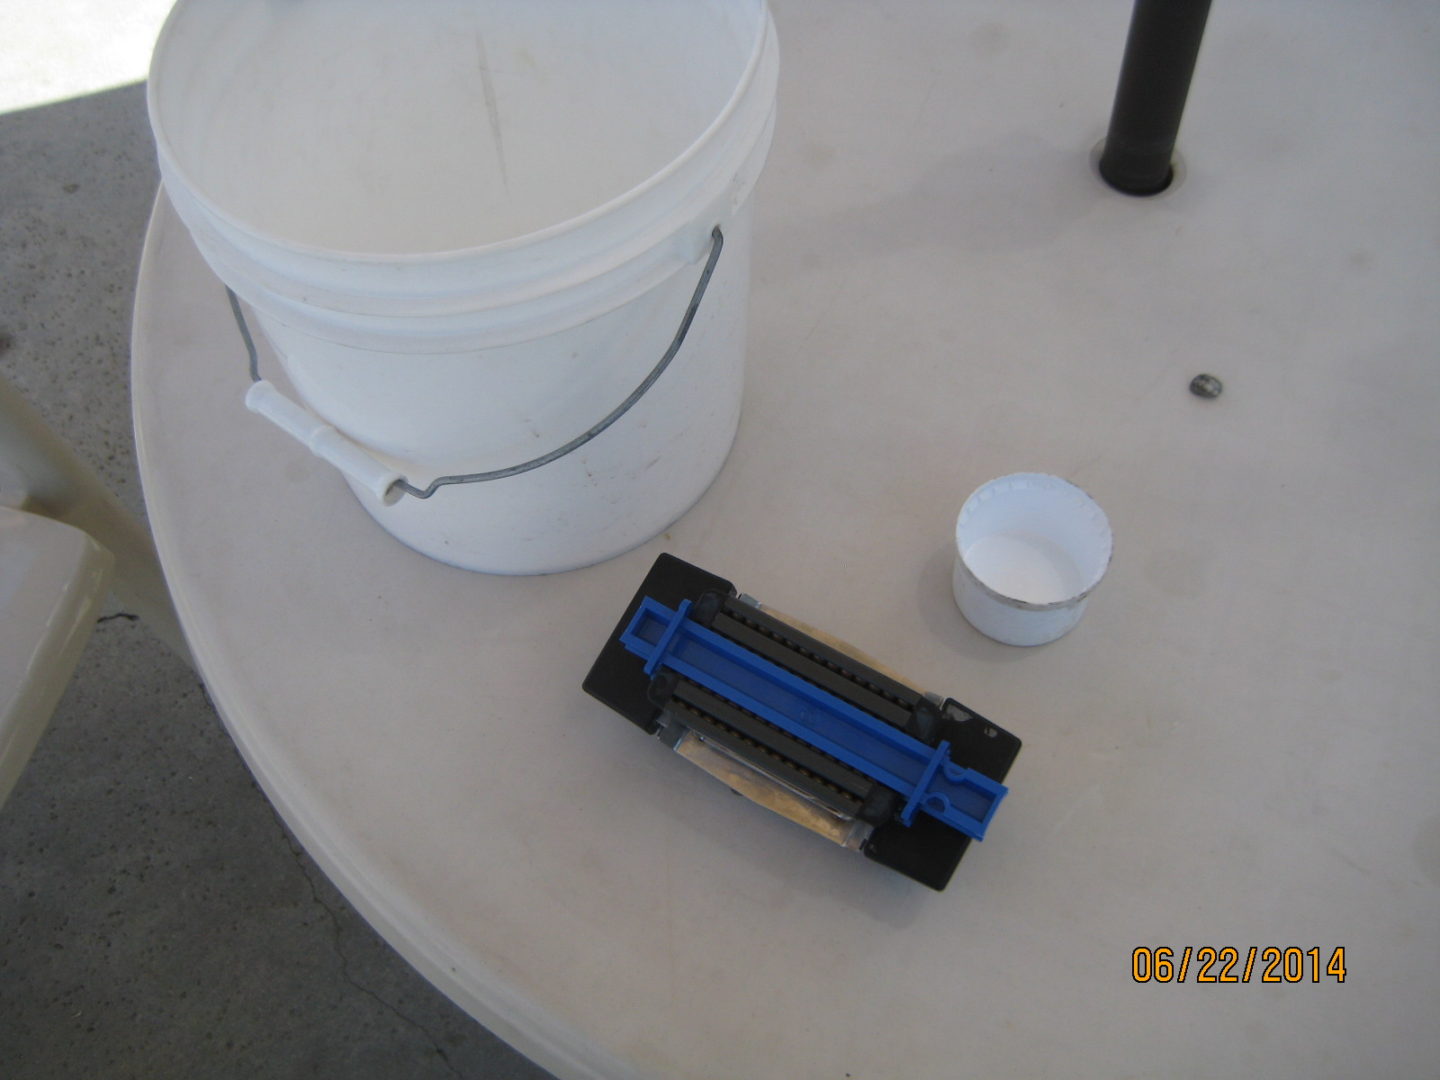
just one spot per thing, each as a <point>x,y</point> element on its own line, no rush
<point>386,484</point>
<point>323,441</point>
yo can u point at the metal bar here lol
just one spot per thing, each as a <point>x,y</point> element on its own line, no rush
<point>1155,76</point>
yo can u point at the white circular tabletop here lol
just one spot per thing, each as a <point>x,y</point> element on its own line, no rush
<point>1236,747</point>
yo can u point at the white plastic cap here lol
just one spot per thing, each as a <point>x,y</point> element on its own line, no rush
<point>1029,550</point>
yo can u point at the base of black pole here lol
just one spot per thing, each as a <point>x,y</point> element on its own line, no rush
<point>1140,187</point>
<point>1119,171</point>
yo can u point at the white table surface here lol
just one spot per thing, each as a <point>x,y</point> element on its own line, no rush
<point>1238,745</point>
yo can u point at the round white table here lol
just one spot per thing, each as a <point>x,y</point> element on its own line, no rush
<point>1235,748</point>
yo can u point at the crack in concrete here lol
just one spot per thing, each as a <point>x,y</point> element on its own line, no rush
<point>298,854</point>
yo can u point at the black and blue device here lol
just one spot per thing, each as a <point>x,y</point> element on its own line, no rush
<point>801,724</point>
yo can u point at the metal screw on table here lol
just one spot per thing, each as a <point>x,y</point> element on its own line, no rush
<point>1206,386</point>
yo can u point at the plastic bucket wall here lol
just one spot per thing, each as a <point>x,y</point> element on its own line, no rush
<point>470,229</point>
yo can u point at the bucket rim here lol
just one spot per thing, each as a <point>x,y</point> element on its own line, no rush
<point>1044,480</point>
<point>170,160</point>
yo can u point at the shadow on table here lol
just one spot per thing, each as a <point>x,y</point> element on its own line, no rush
<point>1013,194</point>
<point>155,918</point>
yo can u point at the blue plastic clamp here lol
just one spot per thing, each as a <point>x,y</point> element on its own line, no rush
<point>923,775</point>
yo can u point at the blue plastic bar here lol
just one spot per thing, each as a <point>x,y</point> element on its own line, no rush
<point>923,775</point>
<point>661,648</point>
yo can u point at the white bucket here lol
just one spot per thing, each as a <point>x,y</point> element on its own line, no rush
<point>470,229</point>
<point>1029,550</point>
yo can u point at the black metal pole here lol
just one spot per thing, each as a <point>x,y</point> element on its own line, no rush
<point>1150,99</point>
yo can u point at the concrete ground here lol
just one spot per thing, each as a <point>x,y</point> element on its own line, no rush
<point>156,918</point>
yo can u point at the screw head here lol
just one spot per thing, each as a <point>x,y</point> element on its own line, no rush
<point>1206,386</point>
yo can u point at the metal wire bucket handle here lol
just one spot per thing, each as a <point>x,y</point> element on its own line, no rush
<point>357,463</point>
